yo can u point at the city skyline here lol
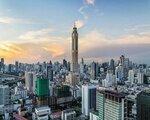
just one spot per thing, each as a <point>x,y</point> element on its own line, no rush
<point>40,31</point>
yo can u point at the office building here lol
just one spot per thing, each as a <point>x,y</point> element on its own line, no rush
<point>49,71</point>
<point>143,105</point>
<point>4,95</point>
<point>68,114</point>
<point>42,90</point>
<point>29,81</point>
<point>111,105</point>
<point>140,77</point>
<point>88,98</point>
<point>131,76</point>
<point>94,70</point>
<point>42,113</point>
<point>112,66</point>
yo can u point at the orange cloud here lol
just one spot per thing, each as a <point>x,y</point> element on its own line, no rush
<point>10,51</point>
<point>55,49</point>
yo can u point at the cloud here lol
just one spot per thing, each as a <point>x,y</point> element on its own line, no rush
<point>36,35</point>
<point>94,45</point>
<point>79,23</point>
<point>32,52</point>
<point>143,38</point>
<point>11,20</point>
<point>55,49</point>
<point>138,29</point>
<point>82,12</point>
<point>7,20</point>
<point>90,2</point>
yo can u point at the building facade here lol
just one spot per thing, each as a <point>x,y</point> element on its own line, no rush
<point>111,105</point>
<point>143,105</point>
<point>88,99</point>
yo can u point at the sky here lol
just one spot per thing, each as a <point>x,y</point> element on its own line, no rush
<point>40,30</point>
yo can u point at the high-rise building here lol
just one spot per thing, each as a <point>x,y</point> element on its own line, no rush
<point>88,98</point>
<point>94,70</point>
<point>4,95</point>
<point>16,66</point>
<point>111,105</point>
<point>122,59</point>
<point>140,77</point>
<point>82,66</point>
<point>2,65</point>
<point>29,81</point>
<point>143,105</point>
<point>112,66</point>
<point>74,68</point>
<point>65,63</point>
<point>110,80</point>
<point>49,71</point>
<point>42,90</point>
<point>131,76</point>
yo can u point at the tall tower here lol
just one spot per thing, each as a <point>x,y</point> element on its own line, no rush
<point>74,67</point>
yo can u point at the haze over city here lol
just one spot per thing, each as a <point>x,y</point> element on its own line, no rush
<point>37,30</point>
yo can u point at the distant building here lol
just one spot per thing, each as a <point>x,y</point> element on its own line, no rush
<point>88,99</point>
<point>4,95</point>
<point>17,66</point>
<point>2,65</point>
<point>110,80</point>
<point>131,76</point>
<point>112,66</point>
<point>94,70</point>
<point>29,81</point>
<point>82,66</point>
<point>111,105</point>
<point>143,105</point>
<point>140,77</point>
<point>49,71</point>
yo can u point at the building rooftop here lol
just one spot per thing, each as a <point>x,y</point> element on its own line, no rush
<point>42,108</point>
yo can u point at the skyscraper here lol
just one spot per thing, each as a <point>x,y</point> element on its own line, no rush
<point>94,70</point>
<point>88,98</point>
<point>42,90</point>
<point>74,68</point>
<point>111,105</point>
<point>49,71</point>
<point>143,105</point>
<point>29,81</point>
<point>112,66</point>
<point>5,94</point>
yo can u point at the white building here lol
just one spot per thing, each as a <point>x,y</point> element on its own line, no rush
<point>29,81</point>
<point>4,94</point>
<point>20,92</point>
<point>140,78</point>
<point>110,80</point>
<point>88,98</point>
<point>131,76</point>
<point>68,114</point>
<point>94,116</point>
<point>42,113</point>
